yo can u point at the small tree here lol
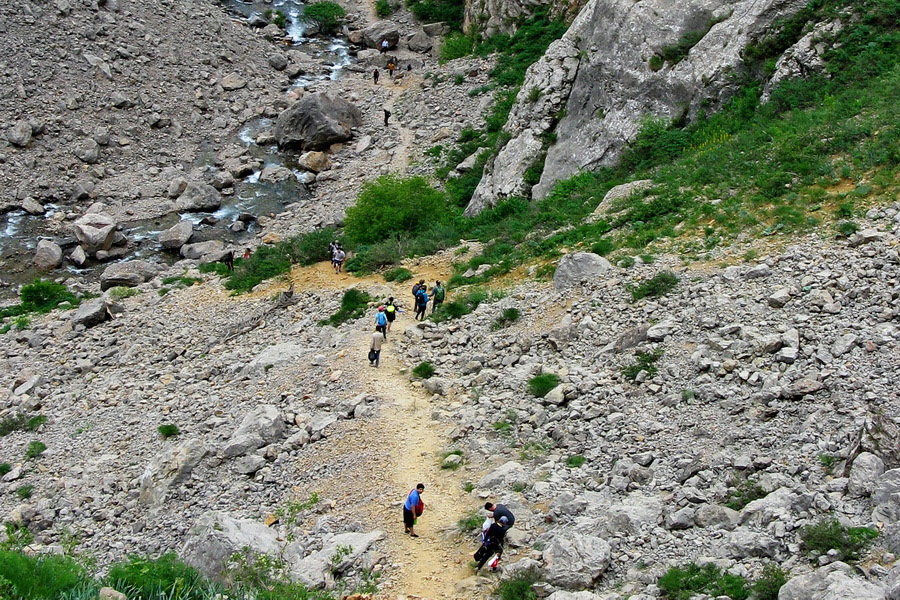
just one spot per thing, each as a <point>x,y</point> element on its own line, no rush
<point>393,205</point>
<point>325,15</point>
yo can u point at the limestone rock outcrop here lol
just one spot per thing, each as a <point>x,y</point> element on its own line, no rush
<point>317,121</point>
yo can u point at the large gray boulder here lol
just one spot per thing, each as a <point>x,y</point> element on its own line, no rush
<point>864,474</point>
<point>261,426</point>
<point>130,273</point>
<point>91,313</point>
<point>216,537</point>
<point>198,196</point>
<point>579,267</point>
<point>95,231</point>
<point>836,581</point>
<point>276,356</point>
<point>316,121</point>
<point>201,249</point>
<point>176,236</point>
<point>317,568</point>
<point>886,497</point>
<point>48,255</point>
<point>374,34</point>
<point>504,476</point>
<point>574,560</point>
<point>169,468</point>
<point>419,42</point>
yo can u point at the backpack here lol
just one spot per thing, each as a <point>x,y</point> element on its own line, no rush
<point>380,318</point>
<point>421,297</point>
<point>439,293</point>
<point>415,289</point>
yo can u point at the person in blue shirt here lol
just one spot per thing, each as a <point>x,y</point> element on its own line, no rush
<point>421,303</point>
<point>381,321</point>
<point>412,508</point>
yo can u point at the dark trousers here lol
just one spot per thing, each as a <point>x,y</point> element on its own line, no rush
<point>487,551</point>
<point>420,310</point>
<point>377,358</point>
<point>435,304</point>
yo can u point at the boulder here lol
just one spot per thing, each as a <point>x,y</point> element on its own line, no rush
<point>317,121</point>
<point>198,196</point>
<point>419,42</point>
<point>315,161</point>
<point>95,231</point>
<point>886,497</point>
<point>261,426</point>
<point>275,356</point>
<point>78,257</point>
<point>129,274</point>
<point>48,255</point>
<point>216,537</point>
<point>864,474</point>
<point>374,34</point>
<point>617,193</point>
<point>176,236</point>
<point>19,134</point>
<point>278,61</point>
<point>836,581</point>
<point>33,207</point>
<point>169,468</point>
<point>504,476</point>
<point>233,81</point>
<point>779,505</point>
<point>316,568</point>
<point>87,151</point>
<point>575,560</point>
<point>201,249</point>
<point>578,267</point>
<point>90,313</point>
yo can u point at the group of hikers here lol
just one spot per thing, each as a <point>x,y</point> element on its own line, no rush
<point>338,255</point>
<point>387,313</point>
<point>493,532</point>
<point>421,298</point>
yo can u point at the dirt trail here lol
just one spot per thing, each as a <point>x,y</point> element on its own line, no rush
<point>411,445</point>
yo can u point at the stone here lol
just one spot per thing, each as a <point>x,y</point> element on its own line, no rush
<point>836,581</point>
<point>198,197</point>
<point>374,34</point>
<point>886,497</point>
<point>108,593</point>
<point>19,134</point>
<point>778,505</point>
<point>176,236</point>
<point>261,426</point>
<point>451,461</point>
<point>575,560</point>
<point>564,595</point>
<point>715,516</point>
<point>233,81</point>
<point>87,151</point>
<point>743,543</point>
<point>317,121</point>
<point>503,476</point>
<point>202,249</point>
<point>78,256</point>
<point>95,231</point>
<point>757,272</point>
<point>91,313</point>
<point>250,464</point>
<point>578,267</point>
<point>660,331</point>
<point>864,474</point>
<point>680,519</point>
<point>556,396</point>
<point>617,194</point>
<point>216,537</point>
<point>278,61</point>
<point>169,468</point>
<point>780,298</point>
<point>129,273</point>
<point>803,387</point>
<point>32,207</point>
<point>866,236</point>
<point>844,344</point>
<point>316,568</point>
<point>314,161</point>
<point>47,256</point>
<point>276,356</point>
<point>419,42</point>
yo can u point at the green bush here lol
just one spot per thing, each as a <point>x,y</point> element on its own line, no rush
<point>5,468</point>
<point>745,492</point>
<point>391,207</point>
<point>326,15</point>
<point>517,588</point>
<point>682,583</point>
<point>658,285</point>
<point>828,534</point>
<point>575,461</point>
<point>41,297</point>
<point>276,17</point>
<point>35,449</point>
<point>540,385</point>
<point>461,306</point>
<point>770,581</point>
<point>400,274</point>
<point>507,317</point>
<point>424,370</point>
<point>433,11</point>
<point>34,423</point>
<point>24,491</point>
<point>458,45</point>
<point>353,305</point>
<point>383,8</point>
<point>44,577</point>
<point>471,522</point>
<point>120,292</point>
<point>168,430</point>
<point>149,579</point>
<point>847,228</point>
<point>645,361</point>
<point>12,423</point>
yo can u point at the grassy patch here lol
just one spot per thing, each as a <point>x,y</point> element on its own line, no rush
<point>463,305</point>
<point>517,588</point>
<point>24,491</point>
<point>828,534</point>
<point>769,583</point>
<point>644,361</point>
<point>506,318</point>
<point>353,305</point>
<point>20,422</point>
<point>168,430</point>
<point>682,583</point>
<point>540,385</point>
<point>471,522</point>
<point>433,11</point>
<point>40,577</point>
<point>400,274</point>
<point>5,468</point>
<point>383,8</point>
<point>37,297</point>
<point>121,292</point>
<point>575,461</point>
<point>452,466</point>
<point>658,285</point>
<point>35,449</point>
<point>423,370</point>
<point>745,492</point>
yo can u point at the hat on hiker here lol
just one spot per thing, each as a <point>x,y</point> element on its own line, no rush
<point>381,308</point>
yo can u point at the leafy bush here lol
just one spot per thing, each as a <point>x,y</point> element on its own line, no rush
<point>462,305</point>
<point>540,385</point>
<point>509,316</point>
<point>658,285</point>
<point>12,423</point>
<point>645,361</point>
<point>148,578</point>
<point>5,468</point>
<point>121,292</point>
<point>353,305</point>
<point>828,534</point>
<point>392,206</point>
<point>41,297</point>
<point>681,583</point>
<point>383,8</point>
<point>34,423</point>
<point>44,577</point>
<point>326,15</point>
<point>457,45</point>
<point>847,228</point>
<point>35,449</point>
<point>423,370</point>
<point>24,491</point>
<point>575,461</point>
<point>769,582</point>
<point>746,491</point>
<point>433,11</point>
<point>517,588</point>
<point>400,274</point>
<point>471,522</point>
<point>168,430</point>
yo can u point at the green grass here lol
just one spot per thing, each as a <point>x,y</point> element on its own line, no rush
<point>168,430</point>
<point>121,292</point>
<point>433,11</point>
<point>21,422</point>
<point>506,318</point>
<point>658,285</point>
<point>383,8</point>
<point>540,385</point>
<point>452,466</point>
<point>575,461</point>
<point>745,492</point>
<point>828,534</point>
<point>471,522</point>
<point>682,583</point>
<point>353,305</point>
<point>423,370</point>
<point>45,577</point>
<point>770,581</point>
<point>5,468</point>
<point>35,449</point>
<point>38,297</point>
<point>644,361</point>
<point>517,588</point>
<point>400,274</point>
<point>463,305</point>
<point>24,491</point>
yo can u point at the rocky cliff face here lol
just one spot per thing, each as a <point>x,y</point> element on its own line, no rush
<point>489,17</point>
<point>596,84</point>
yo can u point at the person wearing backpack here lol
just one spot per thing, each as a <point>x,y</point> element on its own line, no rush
<point>375,349</point>
<point>493,544</point>
<point>415,288</point>
<point>390,311</point>
<point>412,509</point>
<point>381,321</point>
<point>421,303</point>
<point>437,296</point>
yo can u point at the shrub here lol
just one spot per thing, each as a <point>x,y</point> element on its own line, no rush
<point>44,577</point>
<point>24,491</point>
<point>457,45</point>
<point>168,430</point>
<point>746,491</point>
<point>5,468</point>
<point>603,247</point>
<point>43,296</point>
<point>12,423</point>
<point>645,361</point>
<point>507,317</point>
<point>400,274</point>
<point>353,305</point>
<point>121,292</point>
<point>276,17</point>
<point>383,8</point>
<point>35,449</point>
<point>471,522</point>
<point>575,461</point>
<point>681,583</point>
<point>658,285</point>
<point>326,15</point>
<point>423,370</point>
<point>34,423</point>
<point>164,577</point>
<point>432,11</point>
<point>847,228</point>
<point>769,582</point>
<point>452,466</point>
<point>391,207</point>
<point>462,306</point>
<point>517,588</point>
<point>828,534</point>
<point>540,385</point>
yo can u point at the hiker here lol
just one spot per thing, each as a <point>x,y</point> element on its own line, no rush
<point>415,288</point>
<point>421,302</point>
<point>384,46</point>
<point>381,321</point>
<point>493,544</point>
<point>338,260</point>
<point>408,68</point>
<point>501,510</point>
<point>375,348</point>
<point>390,67</point>
<point>412,509</point>
<point>246,253</point>
<point>387,115</point>
<point>390,311</point>
<point>437,295</point>
<point>332,247</point>
<point>375,76</point>
<point>228,259</point>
